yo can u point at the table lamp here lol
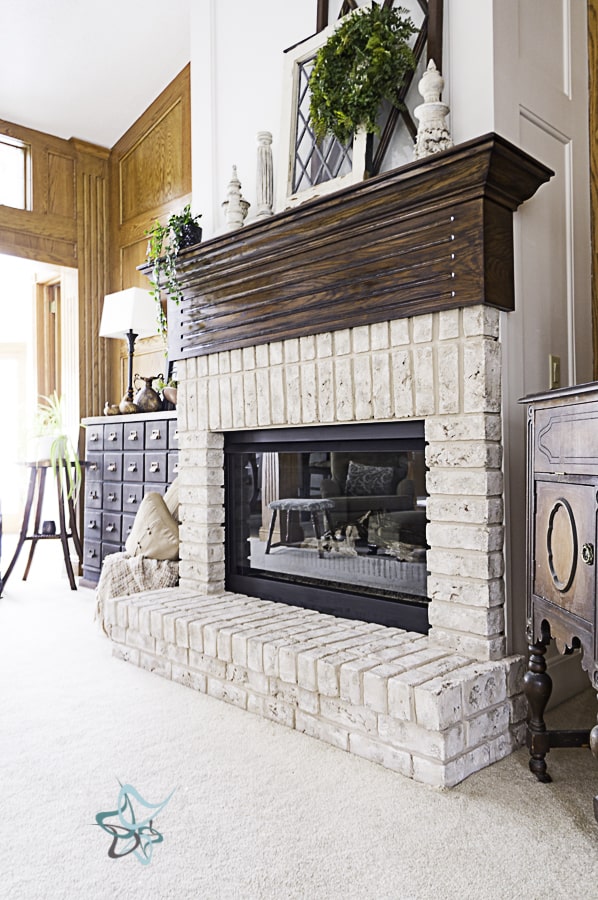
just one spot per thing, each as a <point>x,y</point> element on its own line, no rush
<point>129,314</point>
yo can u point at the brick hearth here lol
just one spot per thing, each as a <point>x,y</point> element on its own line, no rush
<point>391,696</point>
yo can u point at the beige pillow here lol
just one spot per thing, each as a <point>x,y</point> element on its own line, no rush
<point>155,534</point>
<point>171,499</point>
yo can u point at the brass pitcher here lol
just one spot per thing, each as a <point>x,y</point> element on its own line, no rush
<point>147,399</point>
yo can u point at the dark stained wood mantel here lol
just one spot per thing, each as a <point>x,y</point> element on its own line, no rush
<point>434,234</point>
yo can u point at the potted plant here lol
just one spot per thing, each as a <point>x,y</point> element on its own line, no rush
<point>54,444</point>
<point>165,242</point>
<point>361,64</point>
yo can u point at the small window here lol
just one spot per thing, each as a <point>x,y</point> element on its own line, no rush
<point>14,173</point>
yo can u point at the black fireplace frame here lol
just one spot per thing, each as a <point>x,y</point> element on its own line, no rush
<point>409,613</point>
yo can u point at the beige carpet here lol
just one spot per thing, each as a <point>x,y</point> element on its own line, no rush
<point>259,811</point>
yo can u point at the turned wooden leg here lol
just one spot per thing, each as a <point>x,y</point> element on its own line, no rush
<point>594,749</point>
<point>537,687</point>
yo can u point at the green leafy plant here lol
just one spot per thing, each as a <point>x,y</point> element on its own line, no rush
<point>165,242</point>
<point>64,458</point>
<point>361,64</point>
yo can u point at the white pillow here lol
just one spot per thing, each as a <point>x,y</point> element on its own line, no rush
<point>155,534</point>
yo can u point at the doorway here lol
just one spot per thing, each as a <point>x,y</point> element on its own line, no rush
<point>39,352</point>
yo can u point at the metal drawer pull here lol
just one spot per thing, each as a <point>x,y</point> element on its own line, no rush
<point>112,436</point>
<point>132,498</point>
<point>93,495</point>
<point>93,467</point>
<point>587,554</point>
<point>155,435</point>
<point>112,467</point>
<point>175,436</point>
<point>155,467</point>
<point>110,526</point>
<point>92,524</point>
<point>132,467</point>
<point>133,435</point>
<point>111,497</point>
<point>92,554</point>
<point>176,467</point>
<point>93,436</point>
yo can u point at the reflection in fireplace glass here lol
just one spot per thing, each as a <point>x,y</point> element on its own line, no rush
<point>339,521</point>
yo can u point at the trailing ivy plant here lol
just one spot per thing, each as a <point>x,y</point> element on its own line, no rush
<point>361,64</point>
<point>50,422</point>
<point>165,242</point>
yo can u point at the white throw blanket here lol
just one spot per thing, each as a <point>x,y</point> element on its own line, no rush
<point>123,575</point>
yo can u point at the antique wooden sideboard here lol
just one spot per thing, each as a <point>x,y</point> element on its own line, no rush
<point>562,521</point>
<point>126,456</point>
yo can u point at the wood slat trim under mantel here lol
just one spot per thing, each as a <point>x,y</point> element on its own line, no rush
<point>434,234</point>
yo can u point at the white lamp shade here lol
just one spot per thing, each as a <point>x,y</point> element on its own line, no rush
<point>131,310</point>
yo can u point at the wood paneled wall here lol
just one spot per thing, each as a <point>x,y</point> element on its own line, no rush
<point>47,232</point>
<point>91,207</point>
<point>150,178</point>
<point>67,226</point>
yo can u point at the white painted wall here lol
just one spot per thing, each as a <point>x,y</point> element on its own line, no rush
<point>236,91</point>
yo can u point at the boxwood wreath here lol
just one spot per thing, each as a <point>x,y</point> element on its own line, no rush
<point>361,64</point>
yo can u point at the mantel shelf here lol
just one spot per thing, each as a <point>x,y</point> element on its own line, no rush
<point>434,234</point>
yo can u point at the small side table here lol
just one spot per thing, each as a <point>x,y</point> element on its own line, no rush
<point>35,495</point>
<point>298,505</point>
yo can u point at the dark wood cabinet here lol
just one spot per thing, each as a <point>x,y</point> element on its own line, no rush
<point>562,535</point>
<point>126,456</point>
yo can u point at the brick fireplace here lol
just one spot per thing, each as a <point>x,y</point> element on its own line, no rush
<point>435,707</point>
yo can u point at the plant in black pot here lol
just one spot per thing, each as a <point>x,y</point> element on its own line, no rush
<point>362,63</point>
<point>165,243</point>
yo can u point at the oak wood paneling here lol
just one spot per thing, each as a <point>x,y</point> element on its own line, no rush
<point>434,234</point>
<point>48,231</point>
<point>150,174</point>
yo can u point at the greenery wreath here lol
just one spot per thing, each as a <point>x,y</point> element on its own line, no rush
<point>361,64</point>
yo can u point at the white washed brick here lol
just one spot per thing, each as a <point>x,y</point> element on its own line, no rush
<point>270,708</point>
<point>423,369</point>
<point>228,692</point>
<point>438,703</point>
<point>481,320</point>
<point>324,731</point>
<point>488,725</point>
<point>470,592</point>
<point>379,336</point>
<point>156,664</point>
<point>477,621</point>
<point>342,342</point>
<point>361,338</point>
<point>449,378</point>
<point>309,392</point>
<point>324,344</point>
<point>484,687</point>
<point>189,678</point>
<point>307,347</point>
<point>126,654</point>
<point>423,328</point>
<point>402,384</point>
<point>378,752</point>
<point>449,324</point>
<point>400,687</point>
<point>343,383</point>
<point>262,355</point>
<point>480,426</point>
<point>375,686</point>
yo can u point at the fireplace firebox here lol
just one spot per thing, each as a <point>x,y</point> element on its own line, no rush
<point>331,518</point>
